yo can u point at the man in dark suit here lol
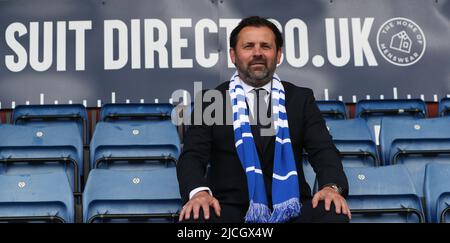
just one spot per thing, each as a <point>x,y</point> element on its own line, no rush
<point>222,193</point>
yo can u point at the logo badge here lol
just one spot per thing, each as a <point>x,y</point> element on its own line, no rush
<point>401,41</point>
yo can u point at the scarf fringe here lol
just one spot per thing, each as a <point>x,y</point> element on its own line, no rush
<point>285,211</point>
<point>257,213</point>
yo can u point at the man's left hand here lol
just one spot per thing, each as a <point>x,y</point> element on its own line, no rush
<point>328,194</point>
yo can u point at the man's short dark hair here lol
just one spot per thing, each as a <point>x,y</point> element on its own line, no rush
<point>256,21</point>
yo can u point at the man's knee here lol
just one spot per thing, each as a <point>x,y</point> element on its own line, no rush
<point>332,217</point>
<point>323,216</point>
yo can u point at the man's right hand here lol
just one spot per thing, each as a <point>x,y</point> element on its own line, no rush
<point>202,200</point>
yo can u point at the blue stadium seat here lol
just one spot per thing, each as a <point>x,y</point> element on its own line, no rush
<point>135,112</point>
<point>414,144</point>
<point>43,197</point>
<point>42,149</point>
<point>155,142</point>
<point>332,109</point>
<point>437,192</point>
<point>354,141</point>
<point>383,194</point>
<point>131,195</point>
<point>50,114</point>
<point>308,171</point>
<point>374,110</point>
<point>444,107</point>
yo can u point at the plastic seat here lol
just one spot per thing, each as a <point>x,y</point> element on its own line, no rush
<point>383,194</point>
<point>45,197</point>
<point>437,192</point>
<point>444,107</point>
<point>310,174</point>
<point>332,109</point>
<point>36,149</point>
<point>53,114</point>
<point>414,144</point>
<point>117,145</point>
<point>354,141</point>
<point>372,111</point>
<point>131,113</point>
<point>131,196</point>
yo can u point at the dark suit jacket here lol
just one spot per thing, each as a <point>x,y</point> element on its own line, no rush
<point>214,144</point>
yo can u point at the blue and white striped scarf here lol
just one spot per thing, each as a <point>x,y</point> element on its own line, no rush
<point>285,189</point>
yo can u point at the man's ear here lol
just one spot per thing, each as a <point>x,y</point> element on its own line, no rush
<point>233,55</point>
<point>279,53</point>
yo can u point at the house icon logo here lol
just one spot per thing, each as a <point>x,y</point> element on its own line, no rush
<point>401,41</point>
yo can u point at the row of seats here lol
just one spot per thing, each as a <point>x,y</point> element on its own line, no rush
<point>337,110</point>
<point>387,194</point>
<point>134,150</point>
<point>411,142</point>
<point>370,110</point>
<point>131,173</point>
<point>395,159</point>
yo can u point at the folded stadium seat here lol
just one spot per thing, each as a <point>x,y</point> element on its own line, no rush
<point>383,194</point>
<point>135,113</point>
<point>45,197</point>
<point>310,174</point>
<point>374,110</point>
<point>332,109</point>
<point>53,114</point>
<point>42,149</point>
<point>354,141</point>
<point>437,192</point>
<point>414,144</point>
<point>185,114</point>
<point>444,107</point>
<point>131,196</point>
<point>138,113</point>
<point>135,146</point>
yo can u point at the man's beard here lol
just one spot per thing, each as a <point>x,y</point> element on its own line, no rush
<point>256,78</point>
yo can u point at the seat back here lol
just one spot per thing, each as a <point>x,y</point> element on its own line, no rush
<point>332,109</point>
<point>122,144</point>
<point>354,141</point>
<point>131,113</point>
<point>414,144</point>
<point>140,196</point>
<point>374,110</point>
<point>50,114</point>
<point>42,149</point>
<point>437,192</point>
<point>45,197</point>
<point>308,171</point>
<point>444,107</point>
<point>383,194</point>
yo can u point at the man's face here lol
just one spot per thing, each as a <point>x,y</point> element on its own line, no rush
<point>256,55</point>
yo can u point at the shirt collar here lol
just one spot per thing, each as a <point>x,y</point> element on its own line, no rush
<point>248,88</point>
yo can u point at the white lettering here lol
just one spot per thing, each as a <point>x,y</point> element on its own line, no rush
<point>361,45</point>
<point>178,43</point>
<point>331,42</point>
<point>34,46</point>
<point>80,28</point>
<point>152,45</point>
<point>110,26</point>
<point>229,25</point>
<point>291,26</point>
<point>135,44</point>
<point>200,43</point>
<point>16,47</point>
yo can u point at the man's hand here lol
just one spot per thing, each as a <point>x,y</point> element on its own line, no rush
<point>202,200</point>
<point>330,195</point>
